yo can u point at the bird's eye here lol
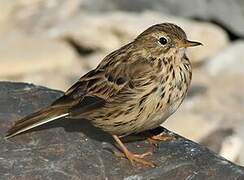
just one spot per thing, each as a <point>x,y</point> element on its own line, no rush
<point>163,40</point>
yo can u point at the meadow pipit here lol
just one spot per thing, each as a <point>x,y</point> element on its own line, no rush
<point>134,89</point>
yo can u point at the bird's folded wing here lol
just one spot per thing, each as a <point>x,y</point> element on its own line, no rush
<point>104,85</point>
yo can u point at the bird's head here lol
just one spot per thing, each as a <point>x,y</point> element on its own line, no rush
<point>164,38</point>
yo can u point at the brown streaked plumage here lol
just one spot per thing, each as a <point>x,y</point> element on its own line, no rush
<point>133,89</point>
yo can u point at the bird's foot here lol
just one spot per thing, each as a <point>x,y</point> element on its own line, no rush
<point>135,159</point>
<point>154,140</point>
<point>139,159</point>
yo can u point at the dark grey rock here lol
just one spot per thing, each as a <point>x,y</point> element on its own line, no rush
<point>226,12</point>
<point>73,149</point>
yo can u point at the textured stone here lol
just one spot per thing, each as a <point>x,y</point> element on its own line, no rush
<point>228,13</point>
<point>186,123</point>
<point>7,8</point>
<point>72,149</point>
<point>47,12</point>
<point>231,147</point>
<point>227,142</point>
<point>109,31</point>
<point>230,61</point>
<point>21,13</point>
<point>35,59</point>
<point>240,131</point>
<point>20,53</point>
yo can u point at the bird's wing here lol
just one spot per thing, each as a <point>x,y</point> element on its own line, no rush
<point>105,84</point>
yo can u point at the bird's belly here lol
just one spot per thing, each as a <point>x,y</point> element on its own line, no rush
<point>132,120</point>
<point>156,119</point>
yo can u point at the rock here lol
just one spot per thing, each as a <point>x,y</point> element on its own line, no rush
<point>202,9</point>
<point>94,59</point>
<point>6,9</point>
<point>240,132</point>
<point>225,142</point>
<point>230,61</point>
<point>62,78</point>
<point>231,148</point>
<point>25,54</point>
<point>215,139</point>
<point>187,123</point>
<point>43,13</point>
<point>27,12</point>
<point>109,31</point>
<point>214,40</point>
<point>72,149</point>
<point>224,101</point>
<point>26,57</point>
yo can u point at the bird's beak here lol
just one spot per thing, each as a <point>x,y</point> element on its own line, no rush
<point>188,43</point>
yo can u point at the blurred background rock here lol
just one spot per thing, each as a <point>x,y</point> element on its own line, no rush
<point>54,42</point>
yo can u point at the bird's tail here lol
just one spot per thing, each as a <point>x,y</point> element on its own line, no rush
<point>38,118</point>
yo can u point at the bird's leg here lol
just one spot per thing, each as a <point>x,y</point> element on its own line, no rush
<point>133,158</point>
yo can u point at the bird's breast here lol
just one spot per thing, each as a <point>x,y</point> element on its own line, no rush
<point>171,90</point>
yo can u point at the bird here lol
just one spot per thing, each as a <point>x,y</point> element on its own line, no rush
<point>132,90</point>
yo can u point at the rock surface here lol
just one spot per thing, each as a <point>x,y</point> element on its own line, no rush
<point>228,13</point>
<point>45,12</point>
<point>228,62</point>
<point>22,52</point>
<point>72,149</point>
<point>103,32</point>
<point>35,59</point>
